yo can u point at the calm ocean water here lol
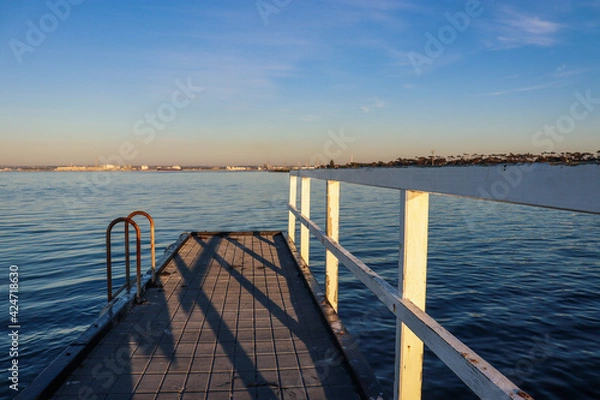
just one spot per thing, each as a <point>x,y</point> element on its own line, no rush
<point>519,285</point>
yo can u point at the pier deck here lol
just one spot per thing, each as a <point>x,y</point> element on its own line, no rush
<point>233,318</point>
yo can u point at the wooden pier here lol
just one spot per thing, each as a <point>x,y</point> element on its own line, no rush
<point>232,317</point>
<point>240,315</point>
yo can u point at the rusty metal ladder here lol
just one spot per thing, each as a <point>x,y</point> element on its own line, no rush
<point>127,285</point>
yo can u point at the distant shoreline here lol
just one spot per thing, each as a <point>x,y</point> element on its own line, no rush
<point>127,169</point>
<point>565,158</point>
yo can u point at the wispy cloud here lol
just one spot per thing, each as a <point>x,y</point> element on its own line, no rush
<point>356,12</point>
<point>375,103</point>
<point>514,29</point>
<point>385,5</point>
<point>310,118</point>
<point>563,71</point>
<point>522,89</point>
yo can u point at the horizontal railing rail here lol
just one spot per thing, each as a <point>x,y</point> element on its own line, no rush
<point>559,187</point>
<point>565,187</point>
<point>483,379</point>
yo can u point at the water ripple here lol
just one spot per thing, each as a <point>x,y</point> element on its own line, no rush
<point>518,285</point>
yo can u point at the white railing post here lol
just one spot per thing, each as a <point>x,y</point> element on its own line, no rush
<point>305,210</point>
<point>412,279</point>
<point>332,230</point>
<point>291,216</point>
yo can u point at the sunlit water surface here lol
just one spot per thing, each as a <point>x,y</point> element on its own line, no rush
<point>519,285</point>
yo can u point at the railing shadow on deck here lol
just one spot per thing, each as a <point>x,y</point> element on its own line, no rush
<point>116,365</point>
<point>223,334</point>
<point>252,377</point>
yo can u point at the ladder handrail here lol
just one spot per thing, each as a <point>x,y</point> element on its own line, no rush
<point>128,221</point>
<point>152,244</point>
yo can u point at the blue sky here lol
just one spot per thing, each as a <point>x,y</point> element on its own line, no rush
<point>294,82</point>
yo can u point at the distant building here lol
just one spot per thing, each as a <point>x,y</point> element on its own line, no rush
<point>75,168</point>
<point>172,168</point>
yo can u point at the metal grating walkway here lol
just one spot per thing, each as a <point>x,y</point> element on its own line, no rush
<point>233,320</point>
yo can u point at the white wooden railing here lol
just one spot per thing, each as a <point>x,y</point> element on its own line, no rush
<point>575,188</point>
